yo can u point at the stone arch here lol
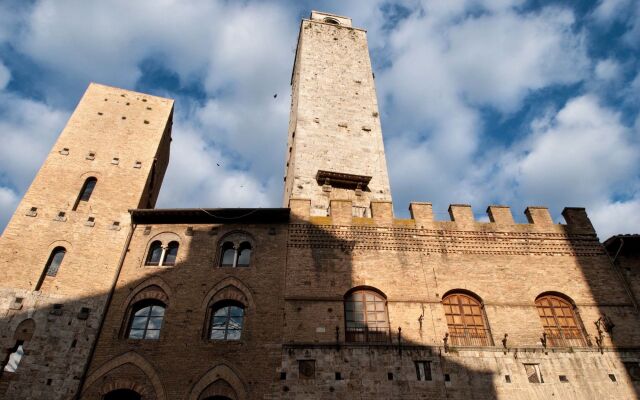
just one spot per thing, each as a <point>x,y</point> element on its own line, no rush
<point>25,329</point>
<point>59,243</point>
<point>88,174</point>
<point>164,238</point>
<point>230,286</point>
<point>218,389</point>
<point>236,237</point>
<point>152,288</point>
<point>215,379</point>
<point>129,358</point>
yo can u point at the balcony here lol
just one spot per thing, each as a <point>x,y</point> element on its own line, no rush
<point>474,337</point>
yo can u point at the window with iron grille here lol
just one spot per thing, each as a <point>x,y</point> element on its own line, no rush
<point>559,322</point>
<point>423,370</point>
<point>366,317</point>
<point>466,321</point>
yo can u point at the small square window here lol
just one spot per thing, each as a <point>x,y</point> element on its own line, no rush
<point>307,369</point>
<point>91,221</point>
<point>84,313</point>
<point>563,378</point>
<point>62,216</point>
<point>146,122</point>
<point>64,151</point>
<point>283,376</point>
<point>123,117</point>
<point>507,378</point>
<point>115,226</point>
<point>338,376</point>
<point>17,303</point>
<point>33,212</point>
<point>91,155</point>
<point>390,376</point>
<point>447,378</point>
<point>533,373</point>
<point>612,377</point>
<point>423,370</point>
<point>99,113</point>
<point>147,230</point>
<point>138,164</point>
<point>115,161</point>
<point>56,310</point>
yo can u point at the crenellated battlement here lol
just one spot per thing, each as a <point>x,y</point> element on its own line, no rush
<point>341,212</point>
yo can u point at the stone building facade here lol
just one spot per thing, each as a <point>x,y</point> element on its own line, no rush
<point>331,296</point>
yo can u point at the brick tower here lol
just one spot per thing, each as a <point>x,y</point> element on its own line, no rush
<point>335,139</point>
<point>61,251</point>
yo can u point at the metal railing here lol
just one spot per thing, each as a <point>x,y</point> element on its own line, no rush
<point>565,337</point>
<point>460,336</point>
<point>367,335</point>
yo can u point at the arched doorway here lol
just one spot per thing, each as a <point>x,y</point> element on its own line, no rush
<point>122,394</point>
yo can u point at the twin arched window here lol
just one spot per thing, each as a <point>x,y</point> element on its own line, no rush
<point>161,255</point>
<point>559,321</point>
<point>53,265</point>
<point>227,320</point>
<point>235,255</point>
<point>366,317</point>
<point>146,320</point>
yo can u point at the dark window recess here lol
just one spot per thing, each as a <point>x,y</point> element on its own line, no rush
<point>423,370</point>
<point>307,369</point>
<point>87,190</point>
<point>56,310</point>
<point>533,373</point>
<point>563,378</point>
<point>14,357</point>
<point>49,382</point>
<point>633,369</point>
<point>612,377</point>
<point>53,265</point>
<point>64,151</point>
<point>84,313</point>
<point>33,211</point>
<point>338,376</point>
<point>447,378</point>
<point>74,343</point>
<point>507,378</point>
<point>283,376</point>
<point>390,376</point>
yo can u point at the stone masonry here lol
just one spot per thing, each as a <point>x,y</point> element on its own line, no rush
<point>293,271</point>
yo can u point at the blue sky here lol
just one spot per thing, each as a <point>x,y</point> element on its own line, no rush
<point>483,102</point>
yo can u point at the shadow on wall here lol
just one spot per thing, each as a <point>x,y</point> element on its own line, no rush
<point>336,309</point>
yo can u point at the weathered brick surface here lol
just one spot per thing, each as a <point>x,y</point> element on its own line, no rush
<point>294,288</point>
<point>109,122</point>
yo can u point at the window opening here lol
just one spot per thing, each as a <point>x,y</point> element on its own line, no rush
<point>170,254</point>
<point>423,370</point>
<point>466,321</point>
<point>53,264</point>
<point>227,322</point>
<point>244,254</point>
<point>85,193</point>
<point>366,317</point>
<point>15,356</point>
<point>559,322</point>
<point>307,369</point>
<point>533,373</point>
<point>146,321</point>
<point>228,258</point>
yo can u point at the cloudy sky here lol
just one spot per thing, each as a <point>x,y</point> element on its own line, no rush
<point>483,102</point>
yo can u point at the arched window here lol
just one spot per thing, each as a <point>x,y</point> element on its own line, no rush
<point>227,319</point>
<point>122,394</point>
<point>559,322</point>
<point>146,320</point>
<point>331,21</point>
<point>171,253</point>
<point>366,318</point>
<point>466,320</point>
<point>155,253</point>
<point>85,193</point>
<point>53,264</point>
<point>244,254</point>
<point>162,256</point>
<point>228,256</point>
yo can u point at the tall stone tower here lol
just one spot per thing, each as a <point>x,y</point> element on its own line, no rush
<point>335,139</point>
<point>61,251</point>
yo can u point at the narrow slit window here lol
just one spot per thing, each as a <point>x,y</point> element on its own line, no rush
<point>53,265</point>
<point>14,358</point>
<point>85,193</point>
<point>423,370</point>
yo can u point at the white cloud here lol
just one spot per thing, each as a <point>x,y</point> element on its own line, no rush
<point>611,10</point>
<point>8,202</point>
<point>607,70</point>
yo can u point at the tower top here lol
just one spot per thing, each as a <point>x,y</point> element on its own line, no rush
<point>330,18</point>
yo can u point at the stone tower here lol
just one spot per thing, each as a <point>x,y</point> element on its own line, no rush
<point>61,251</point>
<point>335,148</point>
